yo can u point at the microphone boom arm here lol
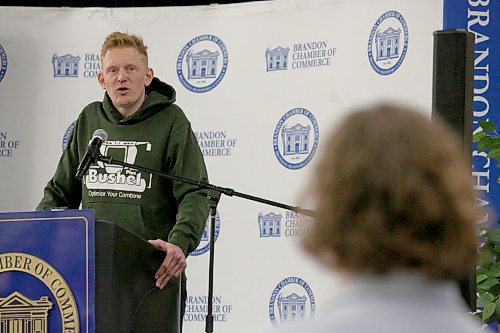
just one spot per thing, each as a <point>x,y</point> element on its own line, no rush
<point>203,184</point>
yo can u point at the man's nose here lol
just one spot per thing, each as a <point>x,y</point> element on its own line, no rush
<point>122,75</point>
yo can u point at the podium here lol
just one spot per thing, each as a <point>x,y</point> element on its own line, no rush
<point>63,271</point>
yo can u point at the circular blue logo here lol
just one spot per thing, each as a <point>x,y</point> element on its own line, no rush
<point>295,138</point>
<point>3,62</point>
<point>67,135</point>
<point>204,245</point>
<point>202,63</point>
<point>291,300</point>
<point>388,43</point>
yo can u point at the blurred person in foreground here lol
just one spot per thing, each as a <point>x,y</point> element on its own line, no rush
<point>395,218</point>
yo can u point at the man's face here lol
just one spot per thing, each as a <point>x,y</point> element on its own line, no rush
<point>124,76</point>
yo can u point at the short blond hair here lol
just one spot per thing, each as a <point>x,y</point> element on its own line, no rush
<point>119,39</point>
<point>394,191</point>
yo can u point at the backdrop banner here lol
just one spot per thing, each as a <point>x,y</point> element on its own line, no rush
<point>480,18</point>
<point>263,84</point>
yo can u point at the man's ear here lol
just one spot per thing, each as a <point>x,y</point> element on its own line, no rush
<point>100,79</point>
<point>149,76</point>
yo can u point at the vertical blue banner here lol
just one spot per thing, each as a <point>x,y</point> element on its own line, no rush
<point>47,272</point>
<point>482,17</point>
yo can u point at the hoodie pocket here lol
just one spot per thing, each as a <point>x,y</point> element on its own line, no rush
<point>127,216</point>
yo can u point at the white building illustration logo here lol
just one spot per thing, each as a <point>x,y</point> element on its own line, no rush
<point>88,65</point>
<point>291,300</point>
<point>21,314</point>
<point>295,138</point>
<point>66,65</point>
<point>277,59</point>
<point>292,307</point>
<point>270,225</point>
<point>202,63</point>
<point>301,55</point>
<point>284,223</point>
<point>388,43</point>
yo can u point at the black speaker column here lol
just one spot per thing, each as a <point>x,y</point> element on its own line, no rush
<point>452,98</point>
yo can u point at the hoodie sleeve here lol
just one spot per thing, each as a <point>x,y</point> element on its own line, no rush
<point>186,160</point>
<point>63,190</point>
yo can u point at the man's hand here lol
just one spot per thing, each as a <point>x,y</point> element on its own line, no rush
<point>172,266</point>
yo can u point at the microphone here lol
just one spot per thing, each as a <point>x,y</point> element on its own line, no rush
<point>90,157</point>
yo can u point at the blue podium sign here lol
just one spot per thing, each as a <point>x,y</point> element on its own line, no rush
<point>47,278</point>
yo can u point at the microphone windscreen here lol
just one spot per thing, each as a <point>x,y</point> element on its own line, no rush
<point>101,134</point>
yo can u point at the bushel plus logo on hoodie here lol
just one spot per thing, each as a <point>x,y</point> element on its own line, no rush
<point>115,177</point>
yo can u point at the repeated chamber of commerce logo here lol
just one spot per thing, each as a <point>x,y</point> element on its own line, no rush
<point>296,138</point>
<point>291,300</point>
<point>73,66</point>
<point>204,245</point>
<point>216,143</point>
<point>8,145</point>
<point>302,55</point>
<point>388,43</point>
<point>3,62</point>
<point>283,224</point>
<point>202,63</point>
<point>197,307</point>
<point>65,65</point>
<point>20,313</point>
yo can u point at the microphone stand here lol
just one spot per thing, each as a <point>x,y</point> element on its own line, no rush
<point>213,195</point>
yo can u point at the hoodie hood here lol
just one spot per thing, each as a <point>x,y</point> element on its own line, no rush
<point>159,95</point>
<point>162,88</point>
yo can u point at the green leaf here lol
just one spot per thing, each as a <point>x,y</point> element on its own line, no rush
<point>488,283</point>
<point>497,307</point>
<point>488,311</point>
<point>494,153</point>
<point>495,271</point>
<point>495,290</point>
<point>488,126</point>
<point>493,234</point>
<point>485,299</point>
<point>481,146</point>
<point>481,278</point>
<point>486,143</point>
<point>478,136</point>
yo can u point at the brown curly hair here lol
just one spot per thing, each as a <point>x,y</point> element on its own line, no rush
<point>394,191</point>
<point>119,39</point>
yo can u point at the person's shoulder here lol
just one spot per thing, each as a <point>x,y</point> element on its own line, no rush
<point>174,113</point>
<point>92,107</point>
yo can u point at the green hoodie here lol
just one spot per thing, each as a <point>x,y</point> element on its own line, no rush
<point>158,137</point>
